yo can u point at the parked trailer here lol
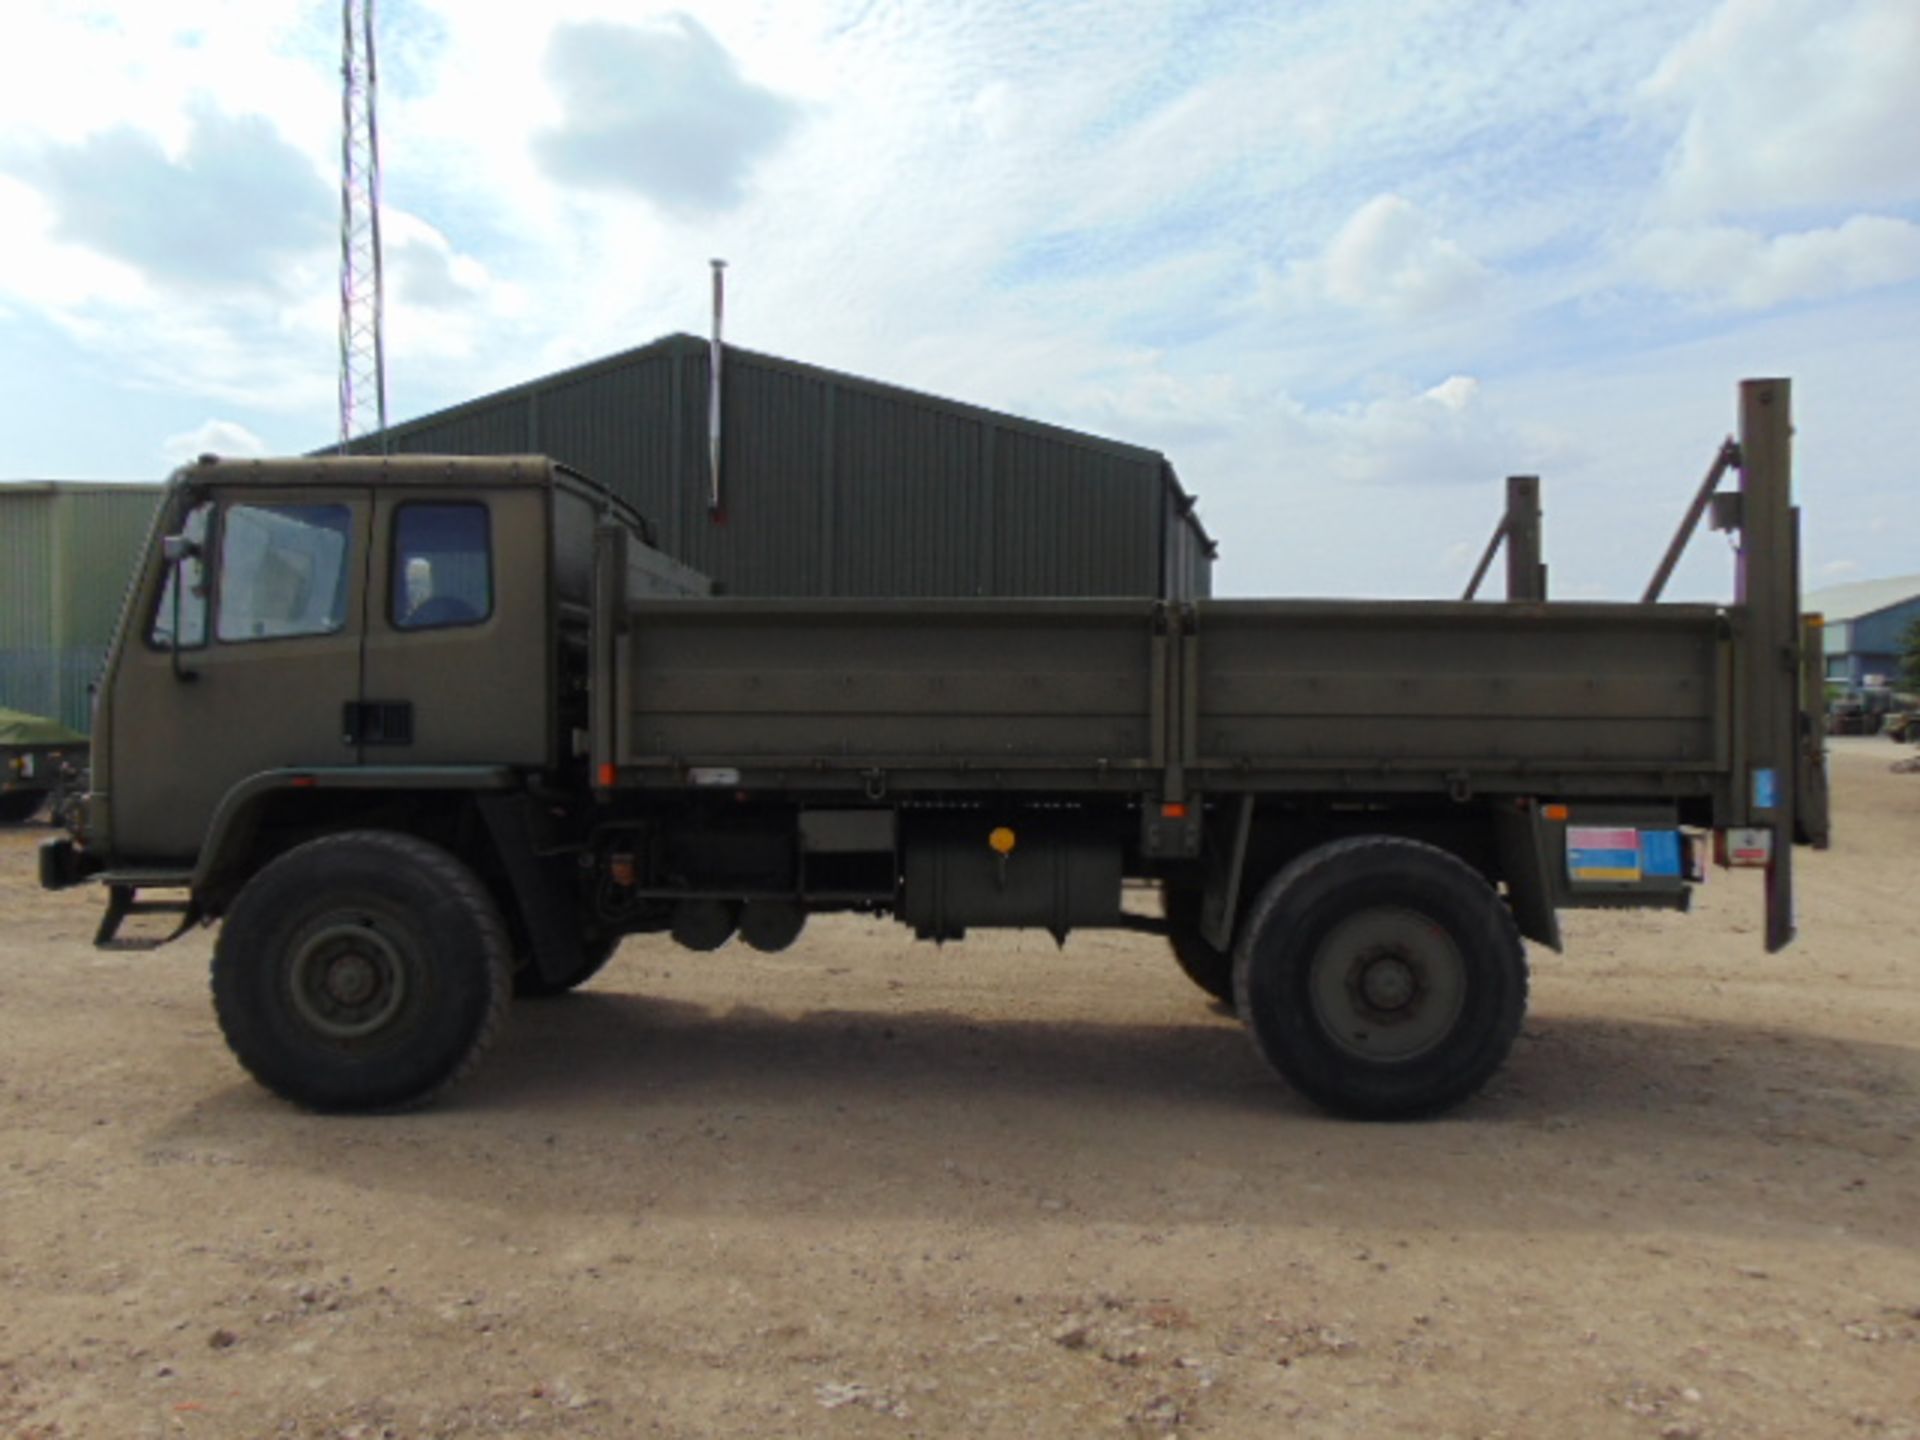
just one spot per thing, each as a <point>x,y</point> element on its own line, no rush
<point>424,733</point>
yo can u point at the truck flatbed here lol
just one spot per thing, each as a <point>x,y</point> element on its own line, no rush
<point>1314,697</point>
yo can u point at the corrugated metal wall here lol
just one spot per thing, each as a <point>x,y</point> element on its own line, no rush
<point>907,498</point>
<point>1074,521</point>
<point>67,554</point>
<point>1189,553</point>
<point>1883,631</point>
<point>101,532</point>
<point>26,570</point>
<point>834,485</point>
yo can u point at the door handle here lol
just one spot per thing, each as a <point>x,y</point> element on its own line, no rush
<point>377,722</point>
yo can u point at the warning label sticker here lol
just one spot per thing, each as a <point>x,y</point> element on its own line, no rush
<point>1603,853</point>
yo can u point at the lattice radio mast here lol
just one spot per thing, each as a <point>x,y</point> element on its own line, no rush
<point>363,360</point>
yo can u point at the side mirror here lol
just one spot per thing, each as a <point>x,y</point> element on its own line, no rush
<point>176,550</point>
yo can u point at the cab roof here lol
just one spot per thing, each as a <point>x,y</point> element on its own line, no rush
<point>424,471</point>
<point>379,470</point>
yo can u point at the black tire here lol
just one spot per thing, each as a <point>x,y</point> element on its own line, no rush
<point>1382,977</point>
<point>531,983</point>
<point>1210,969</point>
<point>19,806</point>
<point>362,971</point>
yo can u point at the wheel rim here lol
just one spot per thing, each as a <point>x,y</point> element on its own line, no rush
<point>348,980</point>
<point>1387,984</point>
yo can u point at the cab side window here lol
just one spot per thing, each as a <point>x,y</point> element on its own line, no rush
<point>442,572</point>
<point>283,571</point>
<point>183,600</point>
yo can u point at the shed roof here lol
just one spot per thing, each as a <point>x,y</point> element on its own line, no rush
<point>1862,597</point>
<point>683,343</point>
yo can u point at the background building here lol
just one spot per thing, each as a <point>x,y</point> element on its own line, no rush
<point>67,552</point>
<point>1864,624</point>
<point>835,485</point>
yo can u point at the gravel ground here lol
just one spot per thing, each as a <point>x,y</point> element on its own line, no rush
<point>870,1188</point>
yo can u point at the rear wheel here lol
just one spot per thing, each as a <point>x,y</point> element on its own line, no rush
<point>361,971</point>
<point>1382,977</point>
<point>1210,969</point>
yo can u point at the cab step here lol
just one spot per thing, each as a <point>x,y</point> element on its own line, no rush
<point>123,901</point>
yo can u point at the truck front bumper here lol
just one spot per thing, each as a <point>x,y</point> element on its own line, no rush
<point>64,864</point>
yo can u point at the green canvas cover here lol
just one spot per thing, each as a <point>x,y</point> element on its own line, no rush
<point>19,728</point>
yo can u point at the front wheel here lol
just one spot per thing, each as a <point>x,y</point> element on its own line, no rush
<point>361,971</point>
<point>1382,977</point>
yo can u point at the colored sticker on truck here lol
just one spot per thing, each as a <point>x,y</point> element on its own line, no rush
<point>1623,854</point>
<point>1660,853</point>
<point>1609,853</point>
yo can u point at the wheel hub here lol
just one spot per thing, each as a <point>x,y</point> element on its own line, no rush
<point>347,979</point>
<point>350,979</point>
<point>1387,984</point>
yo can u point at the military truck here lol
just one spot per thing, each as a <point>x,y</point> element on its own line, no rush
<point>425,733</point>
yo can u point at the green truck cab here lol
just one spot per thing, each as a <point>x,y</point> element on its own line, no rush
<point>421,734</point>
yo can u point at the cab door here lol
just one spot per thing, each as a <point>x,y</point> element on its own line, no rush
<point>458,650</point>
<point>246,658</point>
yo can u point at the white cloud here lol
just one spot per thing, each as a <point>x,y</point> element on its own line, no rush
<point>1455,393</point>
<point>234,206</point>
<point>83,69</point>
<point>422,269</point>
<point>215,437</point>
<point>1449,433</point>
<point>1743,269</point>
<point>1391,253</point>
<point>1395,495</point>
<point>439,298</point>
<point>660,110</point>
<point>1388,256</point>
<point>1794,103</point>
<point>1446,434</point>
<point>41,272</point>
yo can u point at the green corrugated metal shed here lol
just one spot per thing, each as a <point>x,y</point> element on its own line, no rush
<point>67,553</point>
<point>837,485</point>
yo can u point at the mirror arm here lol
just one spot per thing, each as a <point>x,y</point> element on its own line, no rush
<point>180,672</point>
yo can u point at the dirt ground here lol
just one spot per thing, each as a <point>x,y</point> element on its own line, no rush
<point>870,1188</point>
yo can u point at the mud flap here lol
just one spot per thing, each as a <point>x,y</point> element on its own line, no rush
<point>546,902</point>
<point>1530,864</point>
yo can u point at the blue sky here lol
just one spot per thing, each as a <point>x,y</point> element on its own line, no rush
<point>1347,263</point>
